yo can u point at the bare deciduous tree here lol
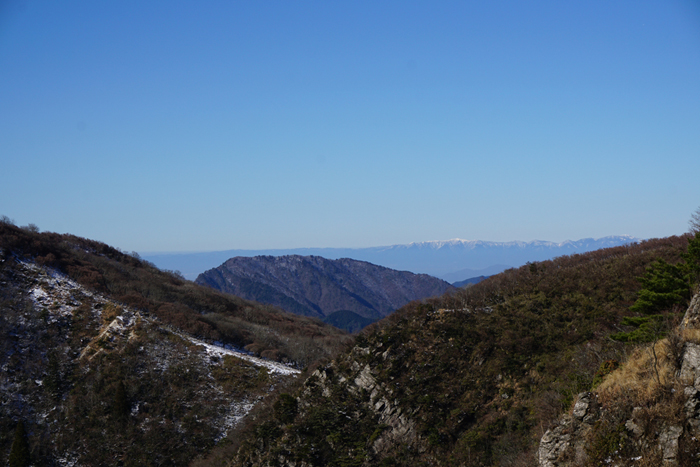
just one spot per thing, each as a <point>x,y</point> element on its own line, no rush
<point>694,222</point>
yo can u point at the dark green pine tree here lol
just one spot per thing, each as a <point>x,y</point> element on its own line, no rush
<point>19,453</point>
<point>286,409</point>
<point>52,381</point>
<point>692,259</point>
<point>663,285</point>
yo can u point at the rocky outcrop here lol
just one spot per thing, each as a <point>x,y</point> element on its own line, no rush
<point>690,366</point>
<point>691,320</point>
<point>668,444</point>
<point>564,444</point>
<point>399,428</point>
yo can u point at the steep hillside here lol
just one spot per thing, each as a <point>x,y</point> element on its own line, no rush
<point>139,367</point>
<point>474,378</point>
<point>645,413</point>
<point>315,286</point>
<point>201,311</point>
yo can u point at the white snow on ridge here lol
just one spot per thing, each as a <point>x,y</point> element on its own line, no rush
<point>437,244</point>
<point>56,293</point>
<point>272,367</point>
<point>58,296</point>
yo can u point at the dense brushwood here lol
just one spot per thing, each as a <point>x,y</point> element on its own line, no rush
<point>474,377</point>
<point>97,384</point>
<point>150,395</point>
<point>203,312</point>
<point>480,373</point>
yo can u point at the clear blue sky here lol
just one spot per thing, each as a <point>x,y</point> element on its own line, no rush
<point>195,126</point>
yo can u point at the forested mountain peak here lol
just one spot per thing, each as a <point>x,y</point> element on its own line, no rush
<point>319,287</point>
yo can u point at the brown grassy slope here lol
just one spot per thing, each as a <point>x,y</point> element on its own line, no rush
<point>652,393</point>
<point>64,354</point>
<point>208,314</point>
<point>481,373</point>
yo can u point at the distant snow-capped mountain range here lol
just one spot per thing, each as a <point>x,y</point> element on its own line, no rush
<point>451,260</point>
<point>614,240</point>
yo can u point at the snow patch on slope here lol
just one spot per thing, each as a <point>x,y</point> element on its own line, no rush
<point>61,295</point>
<point>219,351</point>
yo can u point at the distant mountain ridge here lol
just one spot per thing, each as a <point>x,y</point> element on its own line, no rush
<point>319,287</point>
<point>470,281</point>
<point>577,244</point>
<point>443,259</point>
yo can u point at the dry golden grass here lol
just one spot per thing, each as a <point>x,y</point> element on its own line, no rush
<point>650,369</point>
<point>110,312</point>
<point>691,335</point>
<point>644,376</point>
<point>647,389</point>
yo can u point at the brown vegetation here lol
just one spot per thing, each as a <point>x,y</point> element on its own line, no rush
<point>482,372</point>
<point>195,309</point>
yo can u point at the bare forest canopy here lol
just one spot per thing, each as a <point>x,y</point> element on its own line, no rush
<point>203,312</point>
<point>472,378</point>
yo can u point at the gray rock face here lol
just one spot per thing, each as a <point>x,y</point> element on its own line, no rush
<point>581,406</point>
<point>690,367</point>
<point>691,319</point>
<point>401,429</point>
<point>555,443</point>
<point>315,286</point>
<point>692,407</point>
<point>564,443</point>
<point>668,443</point>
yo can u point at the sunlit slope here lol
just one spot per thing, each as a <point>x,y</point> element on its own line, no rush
<point>473,378</point>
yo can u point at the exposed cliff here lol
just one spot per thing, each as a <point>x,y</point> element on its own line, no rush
<point>646,413</point>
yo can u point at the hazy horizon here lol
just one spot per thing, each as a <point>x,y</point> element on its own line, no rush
<point>154,253</point>
<point>460,260</point>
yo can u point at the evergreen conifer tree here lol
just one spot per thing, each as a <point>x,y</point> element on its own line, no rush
<point>285,408</point>
<point>52,381</point>
<point>692,259</point>
<point>19,453</point>
<point>663,285</point>
<point>666,288</point>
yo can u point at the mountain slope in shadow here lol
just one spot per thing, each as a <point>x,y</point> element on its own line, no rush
<point>318,287</point>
